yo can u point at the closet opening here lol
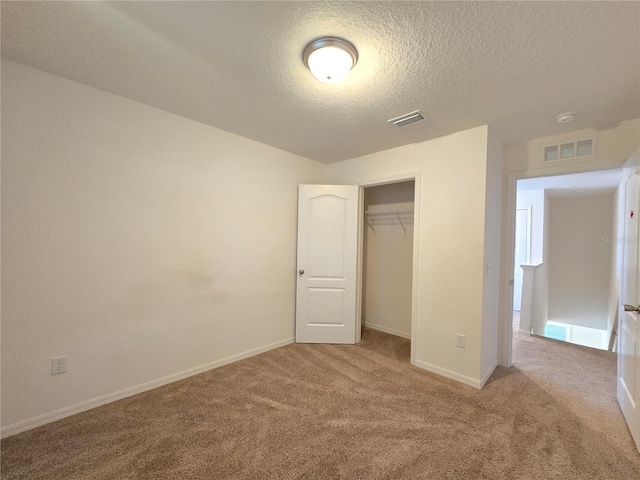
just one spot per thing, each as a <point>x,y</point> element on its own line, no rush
<point>387,268</point>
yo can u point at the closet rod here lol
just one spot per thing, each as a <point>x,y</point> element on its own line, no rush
<point>379,213</point>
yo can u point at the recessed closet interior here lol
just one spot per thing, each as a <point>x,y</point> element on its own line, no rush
<point>388,258</point>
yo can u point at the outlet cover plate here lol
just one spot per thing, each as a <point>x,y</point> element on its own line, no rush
<point>58,365</point>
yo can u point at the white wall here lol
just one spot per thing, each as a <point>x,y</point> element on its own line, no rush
<point>388,262</point>
<point>451,250</point>
<point>615,144</point>
<point>140,244</point>
<point>580,261</point>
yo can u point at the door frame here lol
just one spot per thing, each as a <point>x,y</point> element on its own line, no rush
<point>405,177</point>
<point>505,322</point>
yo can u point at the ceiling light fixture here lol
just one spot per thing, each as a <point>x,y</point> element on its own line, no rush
<point>565,117</point>
<point>330,59</point>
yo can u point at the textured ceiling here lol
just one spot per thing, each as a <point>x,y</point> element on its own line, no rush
<point>238,66</point>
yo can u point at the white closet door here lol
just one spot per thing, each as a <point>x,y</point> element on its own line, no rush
<point>327,264</point>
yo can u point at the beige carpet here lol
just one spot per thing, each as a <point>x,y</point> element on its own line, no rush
<point>351,412</point>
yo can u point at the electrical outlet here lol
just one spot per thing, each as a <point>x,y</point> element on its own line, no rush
<point>460,341</point>
<point>58,365</point>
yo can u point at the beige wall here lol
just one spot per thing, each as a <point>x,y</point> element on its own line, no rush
<point>451,250</point>
<point>142,245</point>
<point>388,262</point>
<point>580,261</point>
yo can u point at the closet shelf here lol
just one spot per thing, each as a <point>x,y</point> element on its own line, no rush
<point>382,213</point>
<point>389,217</point>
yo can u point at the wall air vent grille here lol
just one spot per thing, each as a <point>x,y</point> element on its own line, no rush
<point>584,148</point>
<point>567,151</point>
<point>406,119</point>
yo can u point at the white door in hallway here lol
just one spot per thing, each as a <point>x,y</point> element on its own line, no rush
<point>628,382</point>
<point>326,296</point>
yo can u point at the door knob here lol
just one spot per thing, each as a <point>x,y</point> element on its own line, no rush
<point>631,308</point>
<point>301,272</point>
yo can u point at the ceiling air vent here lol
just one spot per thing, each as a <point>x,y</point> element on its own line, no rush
<point>406,119</point>
<point>567,151</point>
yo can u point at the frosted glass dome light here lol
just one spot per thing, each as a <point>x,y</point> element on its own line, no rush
<point>330,59</point>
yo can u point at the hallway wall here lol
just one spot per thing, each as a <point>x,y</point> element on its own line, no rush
<point>580,260</point>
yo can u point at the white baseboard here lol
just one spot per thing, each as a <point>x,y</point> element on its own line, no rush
<point>473,382</point>
<point>488,373</point>
<point>524,332</point>
<point>61,413</point>
<point>392,331</point>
